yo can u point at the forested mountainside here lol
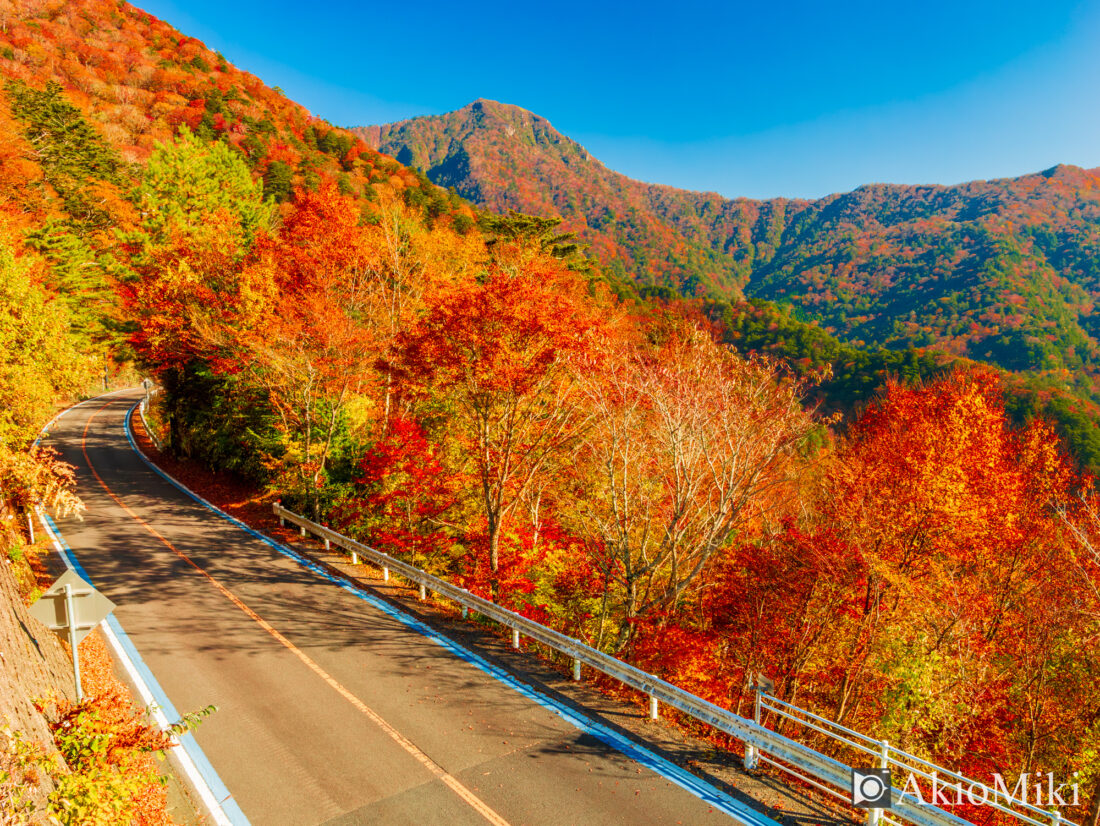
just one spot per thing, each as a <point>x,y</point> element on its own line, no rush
<point>138,81</point>
<point>89,90</point>
<point>1006,271</point>
<point>506,158</point>
<point>474,399</point>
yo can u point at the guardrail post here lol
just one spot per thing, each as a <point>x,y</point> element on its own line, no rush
<point>515,638</point>
<point>302,530</point>
<point>354,558</point>
<point>328,544</point>
<point>652,707</point>
<point>465,612</point>
<point>385,574</point>
<point>30,525</point>
<point>576,669</point>
<point>874,816</point>
<point>423,593</point>
<point>752,754</point>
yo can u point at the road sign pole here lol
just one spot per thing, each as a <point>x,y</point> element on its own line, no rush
<point>70,620</point>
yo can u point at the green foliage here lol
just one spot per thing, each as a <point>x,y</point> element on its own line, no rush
<point>21,763</point>
<point>217,420</point>
<point>463,223</point>
<point>541,233</point>
<point>187,181</point>
<point>79,276</point>
<point>98,795</point>
<point>428,198</point>
<point>1073,421</point>
<point>80,742</point>
<point>279,181</point>
<point>852,375</point>
<point>516,226</point>
<point>191,720</point>
<point>855,375</point>
<point>101,742</point>
<point>72,154</point>
<point>104,781</point>
<point>336,143</point>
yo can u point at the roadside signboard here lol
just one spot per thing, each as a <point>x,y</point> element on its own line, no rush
<point>71,608</point>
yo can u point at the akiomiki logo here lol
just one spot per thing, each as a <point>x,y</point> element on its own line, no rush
<point>873,789</point>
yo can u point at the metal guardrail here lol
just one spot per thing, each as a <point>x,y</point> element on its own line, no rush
<point>885,755</point>
<point>761,743</point>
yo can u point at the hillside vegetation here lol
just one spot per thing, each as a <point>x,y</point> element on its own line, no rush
<point>1002,272</point>
<point>88,90</point>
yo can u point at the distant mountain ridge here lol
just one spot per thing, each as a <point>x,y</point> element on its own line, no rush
<point>504,157</point>
<point>1005,271</point>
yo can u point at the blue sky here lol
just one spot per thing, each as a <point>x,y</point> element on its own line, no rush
<point>757,99</point>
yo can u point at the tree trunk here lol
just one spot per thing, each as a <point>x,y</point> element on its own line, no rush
<point>1093,817</point>
<point>494,544</point>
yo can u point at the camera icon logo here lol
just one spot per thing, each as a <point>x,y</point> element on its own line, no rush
<point>871,789</point>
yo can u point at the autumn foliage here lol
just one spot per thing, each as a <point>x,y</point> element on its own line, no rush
<point>495,408</point>
<point>493,415</point>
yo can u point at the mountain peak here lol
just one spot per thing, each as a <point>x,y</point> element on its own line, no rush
<point>487,104</point>
<point>517,138</point>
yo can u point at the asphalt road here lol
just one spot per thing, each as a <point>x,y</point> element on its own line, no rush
<point>330,711</point>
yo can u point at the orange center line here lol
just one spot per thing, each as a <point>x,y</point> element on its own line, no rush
<point>449,780</point>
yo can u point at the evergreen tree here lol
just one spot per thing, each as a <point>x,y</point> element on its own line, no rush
<point>188,180</point>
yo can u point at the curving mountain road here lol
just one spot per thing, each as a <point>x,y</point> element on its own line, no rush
<point>330,710</point>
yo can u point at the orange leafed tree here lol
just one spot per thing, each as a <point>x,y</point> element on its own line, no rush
<point>309,343</point>
<point>951,511</point>
<point>504,352</point>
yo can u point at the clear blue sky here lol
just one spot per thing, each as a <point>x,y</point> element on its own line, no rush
<point>794,98</point>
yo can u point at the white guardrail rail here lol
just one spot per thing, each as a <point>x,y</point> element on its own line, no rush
<point>761,744</point>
